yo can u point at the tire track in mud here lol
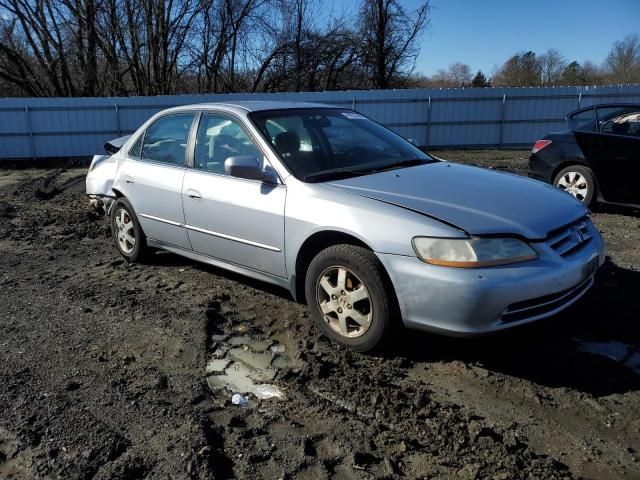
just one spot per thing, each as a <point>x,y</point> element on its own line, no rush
<point>341,422</point>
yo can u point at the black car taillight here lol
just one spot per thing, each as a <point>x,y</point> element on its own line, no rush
<point>539,145</point>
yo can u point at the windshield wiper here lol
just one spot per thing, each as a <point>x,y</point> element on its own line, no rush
<point>337,173</point>
<point>334,174</point>
<point>409,162</point>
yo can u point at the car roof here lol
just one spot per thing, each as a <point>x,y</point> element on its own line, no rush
<point>604,105</point>
<point>249,106</point>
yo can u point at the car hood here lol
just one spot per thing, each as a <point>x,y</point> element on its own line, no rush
<point>477,200</point>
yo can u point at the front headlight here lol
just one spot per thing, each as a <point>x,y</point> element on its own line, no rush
<point>472,252</point>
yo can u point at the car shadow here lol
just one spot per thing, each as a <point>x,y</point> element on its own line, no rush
<point>629,211</point>
<point>593,346</point>
<point>162,258</point>
<point>571,349</point>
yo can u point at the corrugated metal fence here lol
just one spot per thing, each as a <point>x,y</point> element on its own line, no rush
<point>436,118</point>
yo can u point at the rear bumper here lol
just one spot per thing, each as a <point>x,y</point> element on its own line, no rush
<point>464,302</point>
<point>539,169</point>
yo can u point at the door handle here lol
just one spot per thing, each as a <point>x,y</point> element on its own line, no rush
<point>128,179</point>
<point>194,194</point>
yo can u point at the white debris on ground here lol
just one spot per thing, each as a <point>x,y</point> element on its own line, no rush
<point>238,399</point>
<point>626,355</point>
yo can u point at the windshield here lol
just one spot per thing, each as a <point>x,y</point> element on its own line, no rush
<point>324,144</point>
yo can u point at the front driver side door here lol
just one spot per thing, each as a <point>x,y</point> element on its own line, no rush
<point>232,219</point>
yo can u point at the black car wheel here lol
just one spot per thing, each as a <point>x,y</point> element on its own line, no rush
<point>578,181</point>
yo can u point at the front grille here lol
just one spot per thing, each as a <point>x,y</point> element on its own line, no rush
<point>570,239</point>
<point>545,304</point>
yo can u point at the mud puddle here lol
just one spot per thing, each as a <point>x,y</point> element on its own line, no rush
<point>247,366</point>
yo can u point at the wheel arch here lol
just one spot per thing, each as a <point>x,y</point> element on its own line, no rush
<point>313,245</point>
<point>581,163</point>
<point>117,194</point>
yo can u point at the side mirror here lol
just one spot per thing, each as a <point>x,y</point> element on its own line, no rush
<point>244,166</point>
<point>412,141</point>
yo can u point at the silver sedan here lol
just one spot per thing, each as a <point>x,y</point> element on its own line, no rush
<point>353,219</point>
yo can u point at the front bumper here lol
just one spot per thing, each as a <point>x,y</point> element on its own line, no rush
<point>463,302</point>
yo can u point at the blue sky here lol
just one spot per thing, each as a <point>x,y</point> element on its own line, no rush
<point>485,33</point>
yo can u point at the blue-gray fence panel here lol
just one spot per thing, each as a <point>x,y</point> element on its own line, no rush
<point>435,118</point>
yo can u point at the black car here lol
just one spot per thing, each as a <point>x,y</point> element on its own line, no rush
<point>598,159</point>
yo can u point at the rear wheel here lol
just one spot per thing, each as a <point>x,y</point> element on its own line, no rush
<point>349,298</point>
<point>126,231</point>
<point>578,181</point>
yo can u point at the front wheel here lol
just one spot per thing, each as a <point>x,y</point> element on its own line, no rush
<point>126,231</point>
<point>349,297</point>
<point>578,181</point>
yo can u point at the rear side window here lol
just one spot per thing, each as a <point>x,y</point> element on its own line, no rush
<point>583,121</point>
<point>166,139</point>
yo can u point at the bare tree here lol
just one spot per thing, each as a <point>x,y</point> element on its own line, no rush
<point>457,75</point>
<point>460,73</point>
<point>391,36</point>
<point>592,74</point>
<point>36,49</point>
<point>552,64</point>
<point>305,54</point>
<point>623,61</point>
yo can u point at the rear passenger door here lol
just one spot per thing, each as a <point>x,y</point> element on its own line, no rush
<point>152,175</point>
<point>236,220</point>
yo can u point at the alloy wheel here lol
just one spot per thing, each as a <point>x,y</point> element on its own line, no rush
<point>344,301</point>
<point>125,235</point>
<point>575,184</point>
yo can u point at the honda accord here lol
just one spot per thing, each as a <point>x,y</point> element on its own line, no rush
<point>353,219</point>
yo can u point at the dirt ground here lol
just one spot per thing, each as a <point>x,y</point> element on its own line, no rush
<point>103,367</point>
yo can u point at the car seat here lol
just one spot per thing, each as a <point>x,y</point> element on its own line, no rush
<point>620,128</point>
<point>288,144</point>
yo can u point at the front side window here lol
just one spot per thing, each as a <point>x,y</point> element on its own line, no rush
<point>627,123</point>
<point>166,139</point>
<point>136,150</point>
<point>320,144</point>
<point>219,138</point>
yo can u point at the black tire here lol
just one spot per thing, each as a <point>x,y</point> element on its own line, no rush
<point>363,269</point>
<point>584,175</point>
<point>139,249</point>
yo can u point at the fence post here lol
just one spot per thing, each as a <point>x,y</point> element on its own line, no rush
<point>117,120</point>
<point>502,108</point>
<point>427,140</point>
<point>353,104</point>
<point>32,146</point>
<point>579,99</point>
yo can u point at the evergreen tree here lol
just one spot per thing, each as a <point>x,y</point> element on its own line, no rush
<point>480,81</point>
